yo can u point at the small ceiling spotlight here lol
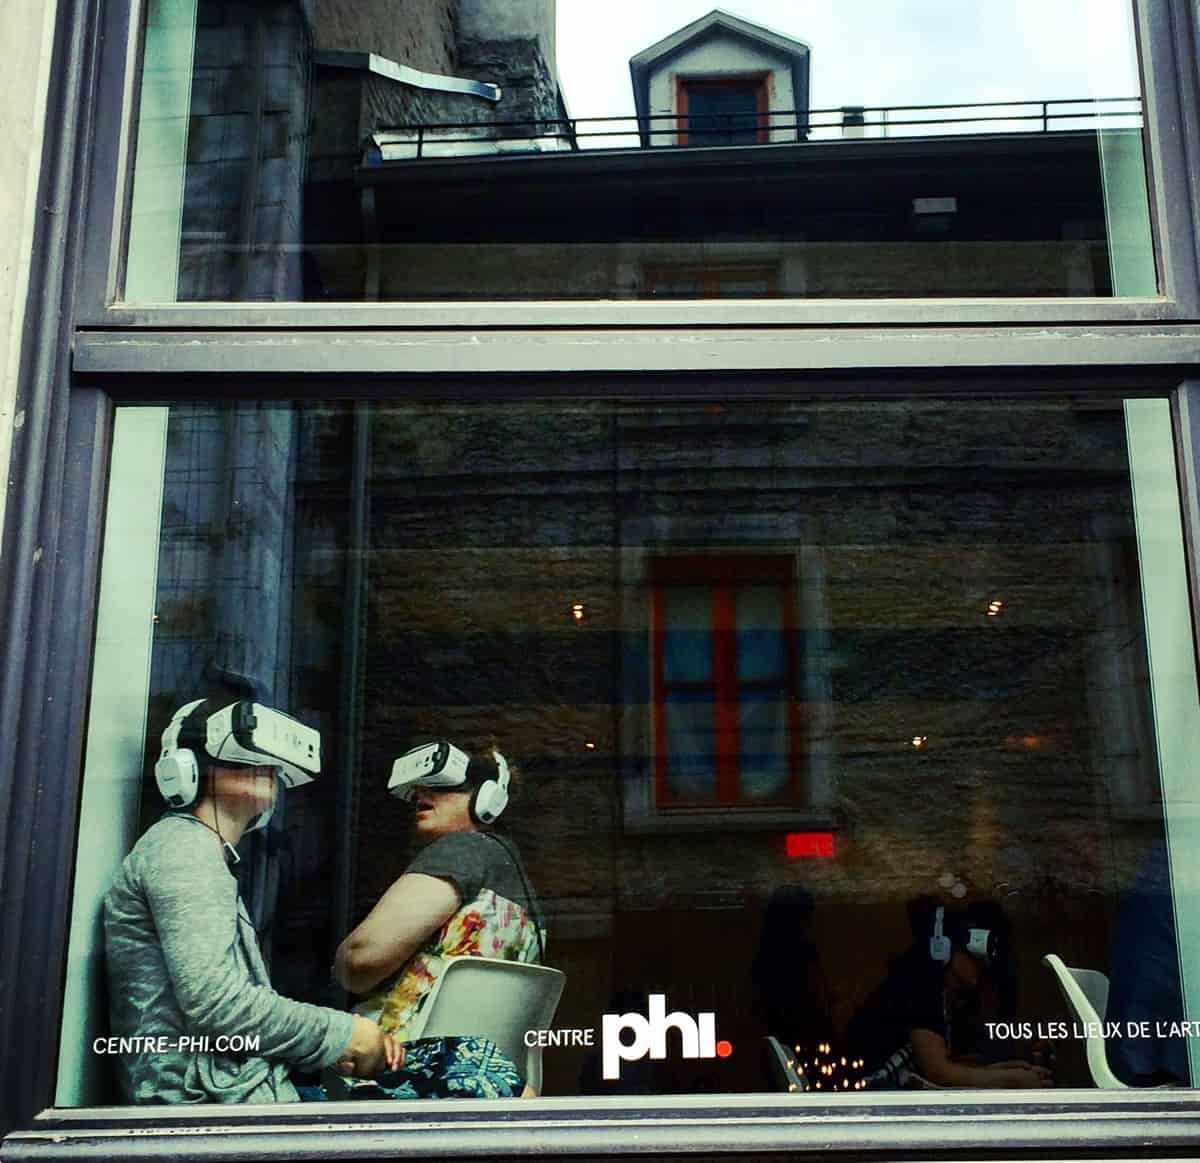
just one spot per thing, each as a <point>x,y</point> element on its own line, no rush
<point>994,607</point>
<point>590,746</point>
<point>577,612</point>
<point>919,741</point>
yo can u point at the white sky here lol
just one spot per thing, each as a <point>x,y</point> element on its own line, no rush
<point>875,52</point>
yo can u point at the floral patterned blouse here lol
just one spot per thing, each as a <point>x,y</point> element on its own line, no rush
<point>488,924</point>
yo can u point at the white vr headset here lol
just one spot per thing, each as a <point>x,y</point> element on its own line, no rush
<point>440,766</point>
<point>243,734</point>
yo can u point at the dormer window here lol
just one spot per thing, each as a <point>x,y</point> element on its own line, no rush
<point>723,110</point>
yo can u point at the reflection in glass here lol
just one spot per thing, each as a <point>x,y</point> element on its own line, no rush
<point>893,652</point>
<point>322,151</point>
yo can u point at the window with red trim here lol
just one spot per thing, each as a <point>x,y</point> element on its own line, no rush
<point>726,724</point>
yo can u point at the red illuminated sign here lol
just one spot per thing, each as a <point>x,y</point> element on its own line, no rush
<point>809,844</point>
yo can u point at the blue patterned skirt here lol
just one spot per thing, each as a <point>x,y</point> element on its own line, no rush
<point>460,1067</point>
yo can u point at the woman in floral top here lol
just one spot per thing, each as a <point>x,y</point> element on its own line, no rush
<point>465,894</point>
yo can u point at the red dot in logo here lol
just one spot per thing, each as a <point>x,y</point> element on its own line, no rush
<point>724,1049</point>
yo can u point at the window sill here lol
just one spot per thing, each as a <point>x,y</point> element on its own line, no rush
<point>1141,1123</point>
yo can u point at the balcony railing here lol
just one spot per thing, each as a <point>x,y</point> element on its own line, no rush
<point>664,130</point>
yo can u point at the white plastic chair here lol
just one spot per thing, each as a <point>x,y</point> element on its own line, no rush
<point>785,1068</point>
<point>498,1000</point>
<point>1086,995</point>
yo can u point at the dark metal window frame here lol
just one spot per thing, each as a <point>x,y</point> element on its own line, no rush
<point>81,356</point>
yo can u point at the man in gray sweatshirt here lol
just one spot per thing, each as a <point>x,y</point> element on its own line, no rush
<point>190,992</point>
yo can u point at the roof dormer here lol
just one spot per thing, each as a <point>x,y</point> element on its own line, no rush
<point>721,80</point>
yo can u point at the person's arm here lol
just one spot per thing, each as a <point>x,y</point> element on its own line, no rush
<point>193,900</point>
<point>937,1065</point>
<point>403,919</point>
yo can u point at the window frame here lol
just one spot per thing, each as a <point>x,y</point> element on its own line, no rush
<point>1165,33</point>
<point>53,534</point>
<point>723,573</point>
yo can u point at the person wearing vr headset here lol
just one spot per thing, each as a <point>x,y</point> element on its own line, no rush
<point>466,892</point>
<point>921,1024</point>
<point>187,982</point>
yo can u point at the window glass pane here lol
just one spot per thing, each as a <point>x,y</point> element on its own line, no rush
<point>691,759</point>
<point>763,744</point>
<point>722,113</point>
<point>320,150</point>
<point>760,642</point>
<point>687,634</point>
<point>923,834</point>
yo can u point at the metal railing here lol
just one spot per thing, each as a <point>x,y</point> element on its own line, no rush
<point>671,130</point>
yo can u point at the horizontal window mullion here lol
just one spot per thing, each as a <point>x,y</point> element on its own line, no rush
<point>662,351</point>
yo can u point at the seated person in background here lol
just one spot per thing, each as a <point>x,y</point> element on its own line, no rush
<point>918,1023</point>
<point>466,892</point>
<point>183,959</point>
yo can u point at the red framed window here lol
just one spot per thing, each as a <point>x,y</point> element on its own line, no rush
<point>723,110</point>
<point>726,723</point>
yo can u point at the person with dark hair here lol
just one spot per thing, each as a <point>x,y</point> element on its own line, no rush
<point>190,995</point>
<point>791,990</point>
<point>466,893</point>
<point>920,1024</point>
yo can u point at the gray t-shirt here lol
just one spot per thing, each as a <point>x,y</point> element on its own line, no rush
<point>184,963</point>
<point>473,861</point>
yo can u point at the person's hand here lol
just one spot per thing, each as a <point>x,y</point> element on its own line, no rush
<point>368,1052</point>
<point>393,1052</point>
<point>1021,1076</point>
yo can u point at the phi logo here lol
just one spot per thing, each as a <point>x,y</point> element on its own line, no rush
<point>698,1036</point>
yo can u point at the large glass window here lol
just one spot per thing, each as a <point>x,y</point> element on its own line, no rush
<point>312,150</point>
<point>844,740</point>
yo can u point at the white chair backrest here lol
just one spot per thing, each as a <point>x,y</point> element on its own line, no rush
<point>1086,994</point>
<point>1095,989</point>
<point>785,1069</point>
<point>499,1000</point>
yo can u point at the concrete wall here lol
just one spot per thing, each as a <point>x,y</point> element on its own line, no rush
<point>26,29</point>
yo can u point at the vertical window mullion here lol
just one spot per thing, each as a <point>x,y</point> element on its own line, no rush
<point>725,695</point>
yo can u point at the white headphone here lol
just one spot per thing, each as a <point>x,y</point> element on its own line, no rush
<point>939,944</point>
<point>490,798</point>
<point>177,772</point>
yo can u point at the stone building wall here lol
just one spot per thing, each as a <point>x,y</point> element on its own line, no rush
<point>489,524</point>
<point>246,152</point>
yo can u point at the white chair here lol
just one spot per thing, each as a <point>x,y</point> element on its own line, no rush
<point>1086,995</point>
<point>784,1066</point>
<point>498,1000</point>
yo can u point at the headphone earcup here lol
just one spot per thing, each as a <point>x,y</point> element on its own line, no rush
<point>940,949</point>
<point>488,801</point>
<point>178,778</point>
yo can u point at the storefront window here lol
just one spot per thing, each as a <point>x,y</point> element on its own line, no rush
<point>294,150</point>
<point>842,740</point>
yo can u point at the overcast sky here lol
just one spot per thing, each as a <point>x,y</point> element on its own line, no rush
<point>875,52</point>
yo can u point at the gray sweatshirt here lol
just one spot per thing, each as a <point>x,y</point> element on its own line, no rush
<point>184,963</point>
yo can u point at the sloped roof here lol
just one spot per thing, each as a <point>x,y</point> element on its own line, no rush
<point>717,22</point>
